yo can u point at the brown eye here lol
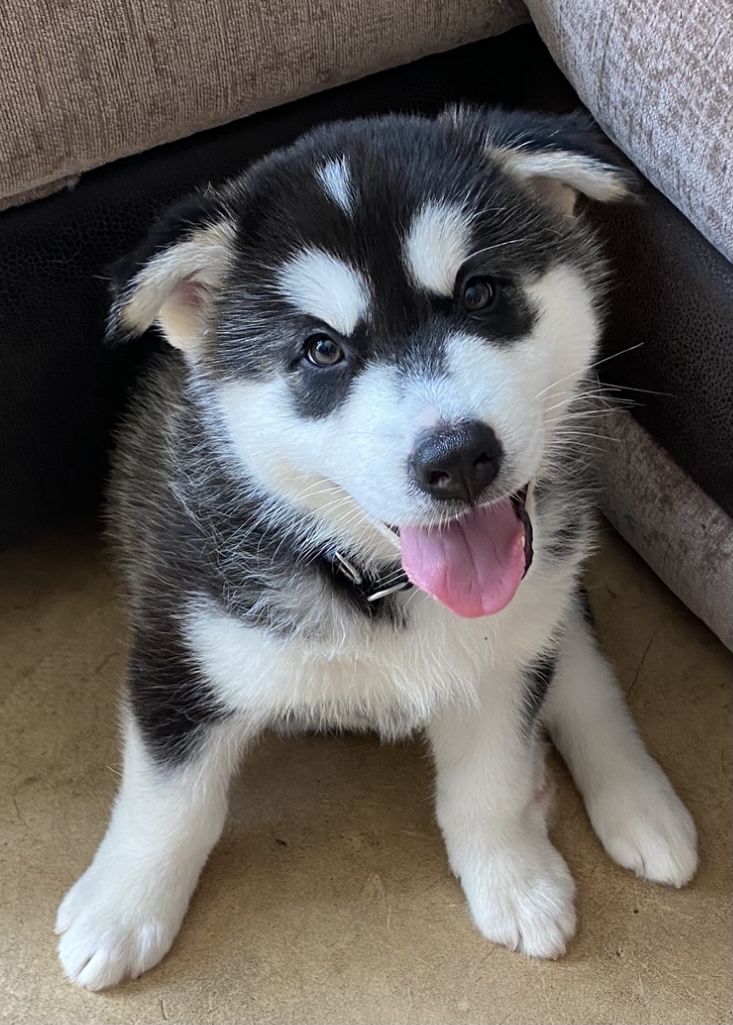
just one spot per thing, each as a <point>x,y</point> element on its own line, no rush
<point>477,294</point>
<point>322,351</point>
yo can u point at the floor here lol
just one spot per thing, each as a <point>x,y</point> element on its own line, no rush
<point>329,899</point>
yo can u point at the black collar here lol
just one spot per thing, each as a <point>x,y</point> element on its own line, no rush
<point>373,586</point>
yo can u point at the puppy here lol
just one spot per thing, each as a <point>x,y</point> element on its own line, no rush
<point>353,495</point>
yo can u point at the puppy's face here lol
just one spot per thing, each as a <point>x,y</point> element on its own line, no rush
<point>392,315</point>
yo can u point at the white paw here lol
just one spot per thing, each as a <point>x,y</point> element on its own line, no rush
<point>115,927</point>
<point>522,897</point>
<point>645,827</point>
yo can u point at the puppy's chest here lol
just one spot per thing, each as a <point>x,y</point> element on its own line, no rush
<point>384,675</point>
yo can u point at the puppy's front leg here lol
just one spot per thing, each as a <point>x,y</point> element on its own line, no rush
<point>639,818</point>
<point>489,769</point>
<point>121,917</point>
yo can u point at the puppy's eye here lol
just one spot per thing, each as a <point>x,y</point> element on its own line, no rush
<point>478,294</point>
<point>322,351</point>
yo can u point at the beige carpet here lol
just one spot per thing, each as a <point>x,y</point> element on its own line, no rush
<point>329,899</point>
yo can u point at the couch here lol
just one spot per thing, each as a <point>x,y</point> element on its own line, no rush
<point>114,107</point>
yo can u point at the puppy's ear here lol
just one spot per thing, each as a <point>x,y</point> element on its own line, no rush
<point>554,157</point>
<point>172,279</point>
<point>558,158</point>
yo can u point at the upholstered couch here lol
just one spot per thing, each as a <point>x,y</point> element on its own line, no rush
<point>90,93</point>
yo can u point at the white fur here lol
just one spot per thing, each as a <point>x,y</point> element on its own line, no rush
<point>335,178</point>
<point>121,916</point>
<point>294,463</point>
<point>436,244</point>
<point>564,340</point>
<point>634,810</point>
<point>175,286</point>
<point>518,887</point>
<point>395,680</point>
<point>322,286</point>
<point>576,171</point>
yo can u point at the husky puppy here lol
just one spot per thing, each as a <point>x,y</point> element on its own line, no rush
<point>353,495</point>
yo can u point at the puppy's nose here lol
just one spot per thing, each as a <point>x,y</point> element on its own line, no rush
<point>457,462</point>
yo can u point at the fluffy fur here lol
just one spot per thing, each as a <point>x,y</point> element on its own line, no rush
<point>246,474</point>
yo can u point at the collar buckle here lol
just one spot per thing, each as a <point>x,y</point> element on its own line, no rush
<point>374,588</point>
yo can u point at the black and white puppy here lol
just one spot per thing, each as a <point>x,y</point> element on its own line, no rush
<point>353,496</point>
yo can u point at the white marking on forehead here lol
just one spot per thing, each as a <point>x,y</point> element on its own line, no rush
<point>436,245</point>
<point>325,287</point>
<point>335,178</point>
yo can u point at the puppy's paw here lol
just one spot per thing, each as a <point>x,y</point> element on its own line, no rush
<point>114,927</point>
<point>645,827</point>
<point>522,897</point>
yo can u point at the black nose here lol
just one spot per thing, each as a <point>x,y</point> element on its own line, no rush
<point>457,462</point>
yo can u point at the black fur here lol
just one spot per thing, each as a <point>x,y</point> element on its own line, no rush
<point>537,681</point>
<point>568,538</point>
<point>168,695</point>
<point>586,607</point>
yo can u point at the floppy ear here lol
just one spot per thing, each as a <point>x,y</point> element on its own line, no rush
<point>172,279</point>
<point>557,157</point>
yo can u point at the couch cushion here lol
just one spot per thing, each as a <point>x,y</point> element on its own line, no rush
<point>659,79</point>
<point>679,530</point>
<point>83,84</point>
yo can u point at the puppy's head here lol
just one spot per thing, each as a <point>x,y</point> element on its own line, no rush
<point>390,318</point>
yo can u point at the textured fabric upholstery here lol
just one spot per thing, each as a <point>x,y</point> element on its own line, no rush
<point>684,536</point>
<point>658,77</point>
<point>85,83</point>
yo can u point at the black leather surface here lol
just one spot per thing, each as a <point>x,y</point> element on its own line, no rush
<point>673,298</point>
<point>60,389</point>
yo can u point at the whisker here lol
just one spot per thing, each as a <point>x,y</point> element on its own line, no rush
<point>496,245</point>
<point>644,391</point>
<point>572,443</point>
<point>589,414</point>
<point>584,434</point>
<point>597,363</point>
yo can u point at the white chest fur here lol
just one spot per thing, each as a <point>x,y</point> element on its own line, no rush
<point>365,674</point>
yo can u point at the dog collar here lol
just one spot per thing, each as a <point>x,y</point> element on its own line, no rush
<point>374,587</point>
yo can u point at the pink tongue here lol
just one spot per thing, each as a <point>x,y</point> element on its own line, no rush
<point>474,565</point>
